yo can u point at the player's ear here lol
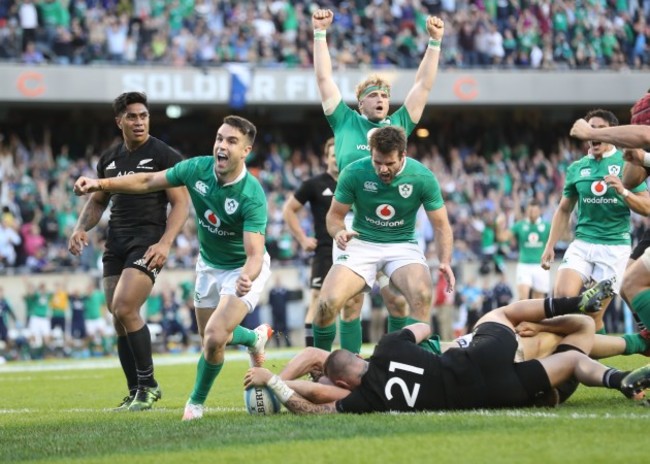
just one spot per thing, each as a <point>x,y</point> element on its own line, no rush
<point>117,121</point>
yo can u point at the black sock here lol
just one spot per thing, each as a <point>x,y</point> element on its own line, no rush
<point>140,342</point>
<point>128,363</point>
<point>569,386</point>
<point>639,323</point>
<point>561,305</point>
<point>309,335</point>
<point>612,378</point>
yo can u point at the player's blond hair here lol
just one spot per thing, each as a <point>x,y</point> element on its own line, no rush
<point>372,81</point>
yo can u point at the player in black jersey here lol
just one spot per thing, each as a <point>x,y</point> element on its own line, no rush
<point>401,376</point>
<point>318,192</point>
<point>140,234</point>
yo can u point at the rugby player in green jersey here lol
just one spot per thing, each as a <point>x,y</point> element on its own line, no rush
<point>531,235</point>
<point>386,190</point>
<point>352,130</point>
<point>602,241</point>
<point>233,265</point>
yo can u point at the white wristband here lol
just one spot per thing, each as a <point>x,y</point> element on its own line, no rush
<point>646,160</point>
<point>281,389</point>
<point>625,193</point>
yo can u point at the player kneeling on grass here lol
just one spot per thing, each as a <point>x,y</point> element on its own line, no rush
<point>401,376</point>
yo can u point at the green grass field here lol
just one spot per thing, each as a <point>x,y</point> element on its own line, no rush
<point>60,411</point>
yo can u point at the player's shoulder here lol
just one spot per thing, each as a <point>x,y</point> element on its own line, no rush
<point>163,149</point>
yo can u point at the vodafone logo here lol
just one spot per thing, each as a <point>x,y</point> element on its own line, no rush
<point>212,218</point>
<point>385,211</point>
<point>599,188</point>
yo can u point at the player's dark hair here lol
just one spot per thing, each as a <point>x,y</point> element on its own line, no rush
<point>127,98</point>
<point>606,115</point>
<point>388,139</point>
<point>243,125</point>
<point>336,364</point>
<point>534,202</point>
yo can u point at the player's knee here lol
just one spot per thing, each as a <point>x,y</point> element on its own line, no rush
<point>630,286</point>
<point>326,310</point>
<point>214,341</point>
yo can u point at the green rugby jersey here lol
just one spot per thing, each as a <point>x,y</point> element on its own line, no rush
<point>531,239</point>
<point>352,131</point>
<point>95,301</point>
<point>223,212</point>
<point>386,213</point>
<point>603,216</point>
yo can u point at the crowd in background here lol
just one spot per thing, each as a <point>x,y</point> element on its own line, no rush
<point>559,34</point>
<point>39,211</point>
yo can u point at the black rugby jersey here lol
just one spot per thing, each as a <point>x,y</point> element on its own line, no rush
<point>318,192</point>
<point>140,212</point>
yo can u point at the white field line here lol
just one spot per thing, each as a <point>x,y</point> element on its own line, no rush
<point>523,413</point>
<point>113,362</point>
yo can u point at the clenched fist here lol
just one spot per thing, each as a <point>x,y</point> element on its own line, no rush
<point>435,27</point>
<point>322,19</point>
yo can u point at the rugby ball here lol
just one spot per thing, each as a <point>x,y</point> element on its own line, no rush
<point>260,401</point>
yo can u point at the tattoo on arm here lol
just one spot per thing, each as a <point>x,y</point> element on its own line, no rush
<point>91,213</point>
<point>299,405</point>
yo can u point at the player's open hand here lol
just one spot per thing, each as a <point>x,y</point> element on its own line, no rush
<point>243,284</point>
<point>449,276</point>
<point>322,19</point>
<point>85,185</point>
<point>634,156</point>
<point>156,255</point>
<point>78,241</point>
<point>342,238</point>
<point>435,27</point>
<point>257,377</point>
<point>581,130</point>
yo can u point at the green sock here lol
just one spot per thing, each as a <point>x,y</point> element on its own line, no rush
<point>634,343</point>
<point>205,375</point>
<point>410,320</point>
<point>641,306</point>
<point>396,323</point>
<point>432,344</point>
<point>602,331</point>
<point>243,336</point>
<point>324,336</point>
<point>350,332</point>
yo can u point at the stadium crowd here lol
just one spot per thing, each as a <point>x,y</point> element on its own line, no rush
<point>541,34</point>
<point>39,210</point>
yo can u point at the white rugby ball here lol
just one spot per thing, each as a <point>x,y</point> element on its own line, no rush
<point>260,401</point>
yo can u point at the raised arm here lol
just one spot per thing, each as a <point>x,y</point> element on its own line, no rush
<point>629,136</point>
<point>133,183</point>
<point>330,94</point>
<point>425,77</point>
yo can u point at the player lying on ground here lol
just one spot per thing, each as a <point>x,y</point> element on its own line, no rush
<point>403,377</point>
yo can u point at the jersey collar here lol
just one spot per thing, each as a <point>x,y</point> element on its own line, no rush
<point>606,154</point>
<point>386,120</point>
<point>237,179</point>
